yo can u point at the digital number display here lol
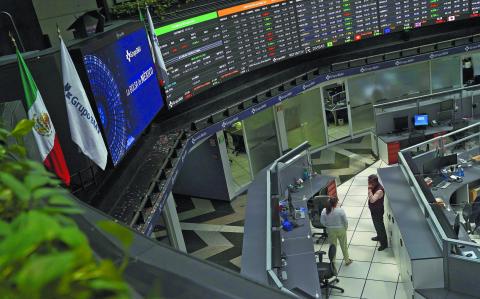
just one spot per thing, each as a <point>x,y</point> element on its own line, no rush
<point>205,50</point>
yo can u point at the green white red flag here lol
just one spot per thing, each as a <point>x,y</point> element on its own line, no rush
<point>43,131</point>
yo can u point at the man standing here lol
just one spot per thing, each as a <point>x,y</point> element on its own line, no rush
<point>375,204</point>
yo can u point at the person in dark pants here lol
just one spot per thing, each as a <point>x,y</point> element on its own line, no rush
<point>375,204</point>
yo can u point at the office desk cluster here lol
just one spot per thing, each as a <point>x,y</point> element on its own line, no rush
<point>300,271</point>
<point>423,266</point>
<point>390,144</point>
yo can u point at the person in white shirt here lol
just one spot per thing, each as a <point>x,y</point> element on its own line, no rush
<point>335,220</point>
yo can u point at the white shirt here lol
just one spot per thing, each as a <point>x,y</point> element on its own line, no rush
<point>336,219</point>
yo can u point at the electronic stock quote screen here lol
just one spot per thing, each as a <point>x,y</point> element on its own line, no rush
<point>205,50</point>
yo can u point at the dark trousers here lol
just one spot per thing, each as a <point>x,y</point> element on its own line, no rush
<point>377,217</point>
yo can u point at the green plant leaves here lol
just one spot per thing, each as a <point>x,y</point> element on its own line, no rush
<point>34,180</point>
<point>43,253</point>
<point>17,149</point>
<point>48,192</point>
<point>40,271</point>
<point>15,185</point>
<point>22,128</point>
<point>120,232</point>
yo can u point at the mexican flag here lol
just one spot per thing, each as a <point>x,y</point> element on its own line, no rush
<point>43,131</point>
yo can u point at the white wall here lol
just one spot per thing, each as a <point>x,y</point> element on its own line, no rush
<point>61,12</point>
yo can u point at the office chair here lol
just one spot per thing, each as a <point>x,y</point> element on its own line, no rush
<point>318,203</point>
<point>467,213</point>
<point>416,138</point>
<point>327,271</point>
<point>475,215</point>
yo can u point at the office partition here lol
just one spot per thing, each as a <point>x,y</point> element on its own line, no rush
<point>303,119</point>
<point>261,139</point>
<point>446,73</point>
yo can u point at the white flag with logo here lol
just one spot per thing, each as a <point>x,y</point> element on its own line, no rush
<point>83,125</point>
<point>156,49</point>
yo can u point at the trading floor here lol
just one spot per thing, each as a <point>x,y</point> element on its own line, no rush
<point>373,273</point>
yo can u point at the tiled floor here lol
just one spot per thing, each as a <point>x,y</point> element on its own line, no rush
<point>213,230</point>
<point>336,132</point>
<point>373,274</point>
<point>240,168</point>
<point>345,160</point>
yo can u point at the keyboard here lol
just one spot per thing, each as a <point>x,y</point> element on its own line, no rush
<point>443,184</point>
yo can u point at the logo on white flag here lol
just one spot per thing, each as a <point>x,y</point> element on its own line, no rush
<point>82,110</point>
<point>83,125</point>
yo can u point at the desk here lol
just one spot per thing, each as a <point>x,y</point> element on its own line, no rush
<point>297,245</point>
<point>314,185</point>
<point>472,174</point>
<point>390,144</point>
<point>420,258</point>
<point>415,248</point>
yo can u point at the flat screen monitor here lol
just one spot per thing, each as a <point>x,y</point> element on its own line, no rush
<point>400,123</point>
<point>446,105</point>
<point>276,249</point>
<point>438,163</point>
<point>420,120</point>
<point>275,212</point>
<point>445,116</point>
<point>124,84</point>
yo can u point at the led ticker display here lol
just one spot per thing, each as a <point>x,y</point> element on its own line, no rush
<point>205,50</point>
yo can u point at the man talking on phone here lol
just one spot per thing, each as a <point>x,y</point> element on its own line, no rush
<point>375,204</point>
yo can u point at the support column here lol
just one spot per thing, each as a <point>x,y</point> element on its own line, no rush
<point>172,224</point>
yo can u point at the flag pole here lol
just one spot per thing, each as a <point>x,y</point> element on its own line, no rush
<point>13,40</point>
<point>14,28</point>
<point>58,32</point>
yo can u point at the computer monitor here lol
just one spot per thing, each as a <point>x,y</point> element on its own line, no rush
<point>400,123</point>
<point>339,97</point>
<point>449,160</point>
<point>446,105</point>
<point>444,116</point>
<point>276,249</point>
<point>291,208</point>
<point>420,120</point>
<point>438,163</point>
<point>275,212</point>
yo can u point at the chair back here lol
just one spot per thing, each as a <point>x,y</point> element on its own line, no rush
<point>467,212</point>
<point>332,250</point>
<point>323,201</point>
<point>316,205</point>
<point>315,218</point>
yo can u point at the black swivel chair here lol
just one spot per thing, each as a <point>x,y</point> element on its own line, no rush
<point>327,271</point>
<point>471,214</point>
<point>318,203</point>
<point>467,213</point>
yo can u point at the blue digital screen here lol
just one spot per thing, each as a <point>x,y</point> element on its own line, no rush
<point>126,90</point>
<point>420,120</point>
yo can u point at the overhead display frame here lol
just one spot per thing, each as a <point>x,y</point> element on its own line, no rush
<point>205,50</point>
